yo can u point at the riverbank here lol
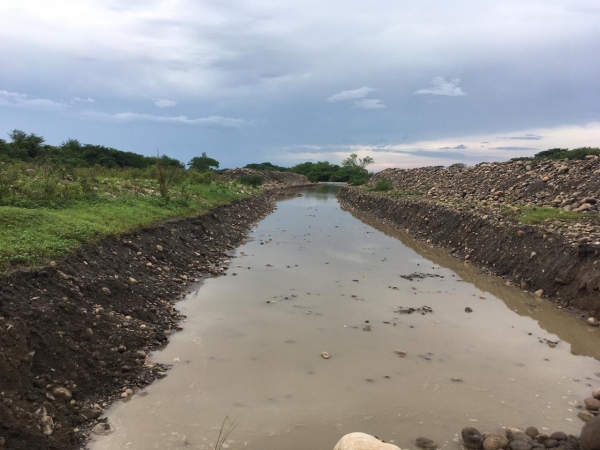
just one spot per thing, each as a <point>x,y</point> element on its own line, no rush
<point>75,335</point>
<point>538,258</point>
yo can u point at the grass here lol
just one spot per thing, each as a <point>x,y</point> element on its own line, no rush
<point>539,214</point>
<point>51,213</point>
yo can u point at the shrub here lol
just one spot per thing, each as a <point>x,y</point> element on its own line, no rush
<point>251,180</point>
<point>383,184</point>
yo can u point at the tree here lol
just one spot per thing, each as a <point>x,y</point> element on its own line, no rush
<point>354,169</point>
<point>25,146</point>
<point>203,163</point>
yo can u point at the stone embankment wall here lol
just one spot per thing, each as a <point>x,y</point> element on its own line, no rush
<point>536,258</point>
<point>272,180</point>
<point>76,334</point>
<point>571,185</point>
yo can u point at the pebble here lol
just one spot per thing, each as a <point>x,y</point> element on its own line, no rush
<point>425,443</point>
<point>590,434</point>
<point>596,393</point>
<point>539,293</point>
<point>586,416</point>
<point>519,445</point>
<point>532,432</point>
<point>592,404</point>
<point>102,429</point>
<point>325,355</point>
<point>551,443</point>
<point>559,436</point>
<point>467,309</point>
<point>62,393</point>
<point>593,321</point>
<point>400,352</point>
<point>495,441</point>
<point>47,425</point>
<point>472,438</point>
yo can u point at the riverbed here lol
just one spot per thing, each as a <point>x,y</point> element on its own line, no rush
<point>314,278</point>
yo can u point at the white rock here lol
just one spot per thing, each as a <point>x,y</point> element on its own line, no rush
<point>362,441</point>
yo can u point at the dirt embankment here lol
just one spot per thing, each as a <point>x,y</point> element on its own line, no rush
<point>75,335</point>
<point>536,258</point>
<point>272,180</point>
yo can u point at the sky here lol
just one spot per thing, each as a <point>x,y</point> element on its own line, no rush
<point>408,82</point>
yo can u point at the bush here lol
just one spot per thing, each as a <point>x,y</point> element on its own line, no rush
<point>383,184</point>
<point>251,180</point>
<point>457,166</point>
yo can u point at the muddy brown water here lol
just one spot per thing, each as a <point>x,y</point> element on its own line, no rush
<point>307,282</point>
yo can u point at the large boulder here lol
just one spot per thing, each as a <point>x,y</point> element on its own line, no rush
<point>362,441</point>
<point>590,434</point>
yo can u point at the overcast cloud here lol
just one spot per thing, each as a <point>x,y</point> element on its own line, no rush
<point>285,81</point>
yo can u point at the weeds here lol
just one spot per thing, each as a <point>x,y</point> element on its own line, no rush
<point>539,214</point>
<point>225,432</point>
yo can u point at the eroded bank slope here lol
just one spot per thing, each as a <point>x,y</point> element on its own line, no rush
<point>75,335</point>
<point>535,257</point>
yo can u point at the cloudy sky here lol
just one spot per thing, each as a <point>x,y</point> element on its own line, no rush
<point>409,82</point>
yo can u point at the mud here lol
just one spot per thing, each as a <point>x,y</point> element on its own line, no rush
<point>528,256</point>
<point>75,336</point>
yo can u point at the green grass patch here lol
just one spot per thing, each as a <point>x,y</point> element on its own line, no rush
<point>50,213</point>
<point>539,214</point>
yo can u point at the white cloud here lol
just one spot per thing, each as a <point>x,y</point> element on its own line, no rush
<point>369,103</point>
<point>83,100</point>
<point>135,117</point>
<point>351,95</point>
<point>443,87</point>
<point>165,103</point>
<point>16,100</point>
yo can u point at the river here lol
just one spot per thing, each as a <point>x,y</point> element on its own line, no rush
<point>314,278</point>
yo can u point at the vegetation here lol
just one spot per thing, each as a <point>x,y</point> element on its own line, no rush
<point>383,185</point>
<point>203,163</point>
<point>353,170</point>
<point>562,153</point>
<point>251,180</point>
<point>539,214</point>
<point>457,166</point>
<point>266,166</point>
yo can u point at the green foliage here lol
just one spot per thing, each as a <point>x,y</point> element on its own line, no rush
<point>30,148</point>
<point>266,166</point>
<point>203,163</point>
<point>251,180</point>
<point>384,185</point>
<point>49,210</point>
<point>539,214</point>
<point>457,166</point>
<point>562,153</point>
<point>319,171</point>
<point>355,169</point>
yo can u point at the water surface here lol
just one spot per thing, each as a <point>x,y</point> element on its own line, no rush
<point>315,278</point>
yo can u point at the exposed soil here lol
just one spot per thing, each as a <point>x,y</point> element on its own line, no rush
<point>74,336</point>
<point>536,258</point>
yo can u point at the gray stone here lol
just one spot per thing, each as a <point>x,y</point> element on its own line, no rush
<point>425,443</point>
<point>592,404</point>
<point>518,444</point>
<point>522,437</point>
<point>586,416</point>
<point>532,432</point>
<point>551,443</point>
<point>559,436</point>
<point>102,429</point>
<point>495,441</point>
<point>472,438</point>
<point>590,434</point>
<point>362,441</point>
<point>510,431</point>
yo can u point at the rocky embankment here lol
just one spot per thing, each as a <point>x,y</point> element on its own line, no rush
<point>272,180</point>
<point>75,336</point>
<point>458,210</point>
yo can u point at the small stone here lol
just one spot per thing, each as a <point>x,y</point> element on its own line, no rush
<point>132,280</point>
<point>586,416</point>
<point>325,355</point>
<point>521,233</point>
<point>511,431</point>
<point>559,436</point>
<point>524,286</point>
<point>551,443</point>
<point>425,443</point>
<point>47,425</point>
<point>590,434</point>
<point>539,293</point>
<point>159,247</point>
<point>86,334</point>
<point>522,436</point>
<point>472,438</point>
<point>519,445</point>
<point>62,393</point>
<point>176,360</point>
<point>468,310</point>
<point>596,393</point>
<point>532,432</point>
<point>362,441</point>
<point>102,429</point>
<point>592,404</point>
<point>495,441</point>
<point>105,290</point>
<point>400,352</point>
<point>593,321</point>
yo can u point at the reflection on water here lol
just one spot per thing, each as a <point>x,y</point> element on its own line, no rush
<point>315,278</point>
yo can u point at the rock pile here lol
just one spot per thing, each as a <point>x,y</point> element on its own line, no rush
<point>271,178</point>
<point>572,185</point>
<point>591,405</point>
<point>517,439</point>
